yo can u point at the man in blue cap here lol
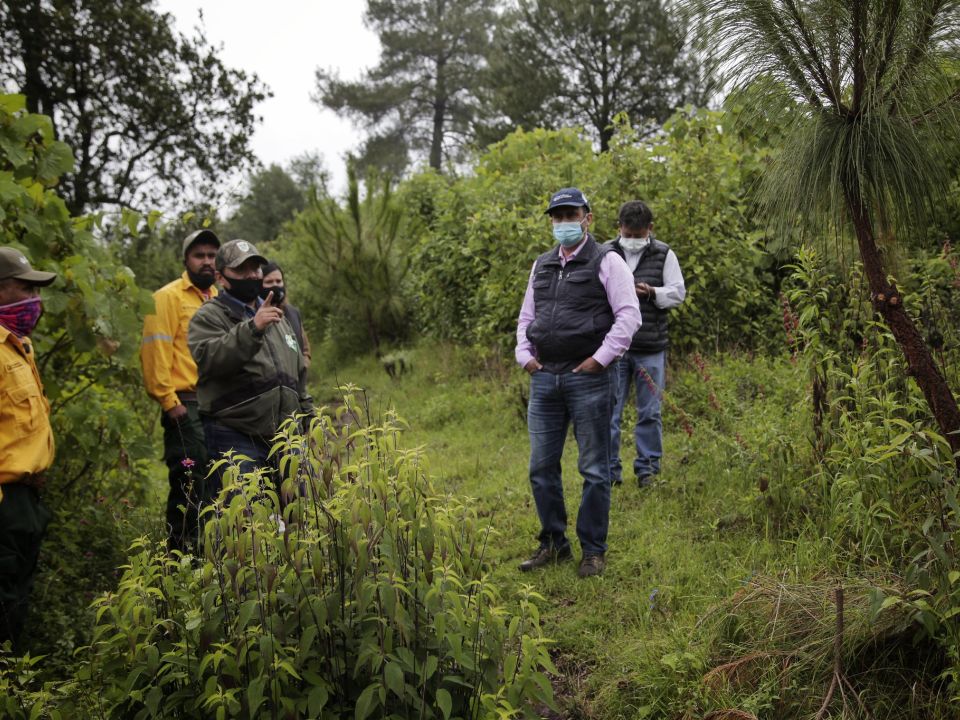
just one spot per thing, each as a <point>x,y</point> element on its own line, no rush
<point>579,314</point>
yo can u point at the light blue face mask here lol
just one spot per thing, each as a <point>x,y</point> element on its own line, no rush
<point>568,234</point>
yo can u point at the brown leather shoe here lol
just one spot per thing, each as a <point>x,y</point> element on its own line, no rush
<point>546,555</point>
<point>591,564</point>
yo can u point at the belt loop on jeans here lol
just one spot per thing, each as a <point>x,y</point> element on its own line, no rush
<point>186,397</point>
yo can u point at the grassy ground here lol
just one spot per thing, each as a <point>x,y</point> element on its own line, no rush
<point>677,550</point>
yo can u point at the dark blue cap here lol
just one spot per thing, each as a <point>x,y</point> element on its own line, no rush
<point>568,197</point>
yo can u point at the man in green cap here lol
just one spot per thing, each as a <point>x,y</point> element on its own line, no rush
<point>170,377</point>
<point>252,375</point>
<point>26,440</point>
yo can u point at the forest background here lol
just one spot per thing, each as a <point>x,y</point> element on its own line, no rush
<point>805,466</point>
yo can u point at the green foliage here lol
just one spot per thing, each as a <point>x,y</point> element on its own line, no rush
<point>151,244</point>
<point>481,233</point>
<point>353,590</point>
<point>424,93</point>
<point>884,488</point>
<point>868,93</point>
<point>87,350</point>
<point>24,696</point>
<point>567,63</point>
<point>348,264</point>
<point>272,199</point>
<point>148,111</point>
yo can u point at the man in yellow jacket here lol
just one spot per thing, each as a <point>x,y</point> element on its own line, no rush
<point>170,376</point>
<point>26,440</point>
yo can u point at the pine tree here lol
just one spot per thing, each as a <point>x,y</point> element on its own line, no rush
<point>422,96</point>
<point>563,62</point>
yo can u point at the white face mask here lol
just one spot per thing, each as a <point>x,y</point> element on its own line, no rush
<point>634,245</point>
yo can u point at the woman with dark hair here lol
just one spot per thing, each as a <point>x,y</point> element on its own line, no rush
<point>273,282</point>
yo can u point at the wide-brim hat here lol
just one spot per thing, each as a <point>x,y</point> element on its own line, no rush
<point>14,264</point>
<point>235,253</point>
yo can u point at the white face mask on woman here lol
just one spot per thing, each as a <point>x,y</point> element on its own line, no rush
<point>634,245</point>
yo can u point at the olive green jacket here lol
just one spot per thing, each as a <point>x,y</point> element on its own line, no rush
<point>248,380</point>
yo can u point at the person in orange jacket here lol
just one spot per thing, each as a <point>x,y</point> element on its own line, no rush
<point>170,377</point>
<point>26,440</point>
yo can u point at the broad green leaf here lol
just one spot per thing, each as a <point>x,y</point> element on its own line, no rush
<point>445,703</point>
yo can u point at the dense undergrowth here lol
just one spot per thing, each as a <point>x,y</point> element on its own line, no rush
<point>720,593</point>
<point>797,557</point>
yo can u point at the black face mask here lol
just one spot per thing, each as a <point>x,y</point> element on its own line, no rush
<point>278,294</point>
<point>245,290</point>
<point>200,280</point>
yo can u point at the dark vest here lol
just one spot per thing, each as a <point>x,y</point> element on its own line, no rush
<point>572,314</point>
<point>652,335</point>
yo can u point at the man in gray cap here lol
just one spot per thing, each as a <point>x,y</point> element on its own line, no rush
<point>170,377</point>
<point>252,374</point>
<point>26,439</point>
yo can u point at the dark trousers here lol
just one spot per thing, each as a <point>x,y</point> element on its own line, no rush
<point>222,439</point>
<point>185,453</point>
<point>23,522</point>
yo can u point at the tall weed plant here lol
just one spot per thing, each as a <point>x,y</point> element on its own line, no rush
<point>885,484</point>
<point>343,587</point>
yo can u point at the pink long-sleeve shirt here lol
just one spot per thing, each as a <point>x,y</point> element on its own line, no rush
<point>617,280</point>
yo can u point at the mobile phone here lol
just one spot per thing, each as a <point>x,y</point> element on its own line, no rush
<point>278,295</point>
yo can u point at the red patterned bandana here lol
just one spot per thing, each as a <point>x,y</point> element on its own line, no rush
<point>21,318</point>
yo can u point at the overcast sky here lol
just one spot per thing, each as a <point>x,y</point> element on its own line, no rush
<point>283,42</point>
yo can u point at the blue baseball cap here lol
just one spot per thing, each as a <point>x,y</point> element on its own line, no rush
<point>571,197</point>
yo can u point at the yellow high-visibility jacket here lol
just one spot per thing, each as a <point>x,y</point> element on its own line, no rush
<point>167,365</point>
<point>26,439</point>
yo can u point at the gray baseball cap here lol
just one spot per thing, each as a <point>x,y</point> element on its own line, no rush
<point>14,264</point>
<point>205,236</point>
<point>235,253</point>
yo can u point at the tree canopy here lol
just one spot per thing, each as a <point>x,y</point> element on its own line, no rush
<point>423,95</point>
<point>872,104</point>
<point>148,112</point>
<point>563,63</point>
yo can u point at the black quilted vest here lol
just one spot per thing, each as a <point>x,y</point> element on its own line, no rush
<point>571,313</point>
<point>652,335</point>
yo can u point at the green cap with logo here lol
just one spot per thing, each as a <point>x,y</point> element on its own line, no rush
<point>208,237</point>
<point>235,253</point>
<point>14,264</point>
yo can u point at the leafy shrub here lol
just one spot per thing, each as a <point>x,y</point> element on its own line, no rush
<point>24,696</point>
<point>482,232</point>
<point>884,485</point>
<point>87,352</point>
<point>348,264</point>
<point>355,590</point>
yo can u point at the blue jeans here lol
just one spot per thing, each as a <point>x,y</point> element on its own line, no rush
<point>645,371</point>
<point>586,399</point>
<point>220,439</point>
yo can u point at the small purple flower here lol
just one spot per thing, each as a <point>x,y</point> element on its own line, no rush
<point>188,462</point>
<point>653,597</point>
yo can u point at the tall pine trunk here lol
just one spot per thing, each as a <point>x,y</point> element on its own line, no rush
<point>439,115</point>
<point>888,302</point>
